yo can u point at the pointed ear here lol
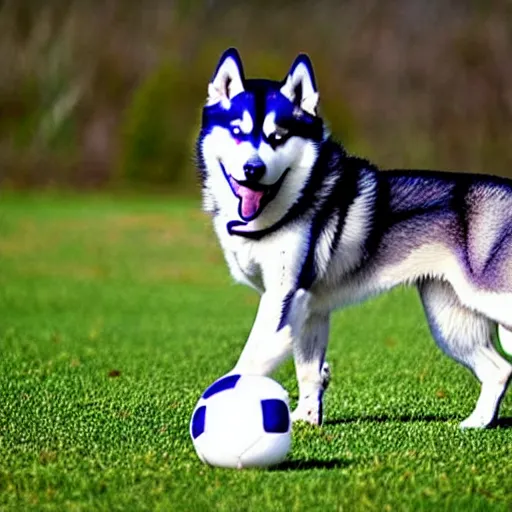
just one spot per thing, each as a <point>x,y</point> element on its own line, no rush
<point>228,79</point>
<point>300,87</point>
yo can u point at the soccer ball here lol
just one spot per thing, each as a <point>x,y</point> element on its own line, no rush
<point>242,421</point>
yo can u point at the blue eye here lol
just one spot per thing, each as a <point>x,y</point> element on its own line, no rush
<point>235,130</point>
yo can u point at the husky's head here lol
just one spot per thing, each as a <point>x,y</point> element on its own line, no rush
<point>259,140</point>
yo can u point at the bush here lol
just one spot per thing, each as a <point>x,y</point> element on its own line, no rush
<point>158,130</point>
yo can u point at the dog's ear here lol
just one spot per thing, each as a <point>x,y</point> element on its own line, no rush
<point>228,79</point>
<point>299,85</point>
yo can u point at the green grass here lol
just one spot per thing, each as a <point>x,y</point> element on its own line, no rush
<point>116,313</point>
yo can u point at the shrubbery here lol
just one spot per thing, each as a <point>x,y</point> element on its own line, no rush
<point>158,128</point>
<point>102,94</point>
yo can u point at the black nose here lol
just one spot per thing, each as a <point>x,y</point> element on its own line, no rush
<point>254,171</point>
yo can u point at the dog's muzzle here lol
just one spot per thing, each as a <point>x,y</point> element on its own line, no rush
<point>253,195</point>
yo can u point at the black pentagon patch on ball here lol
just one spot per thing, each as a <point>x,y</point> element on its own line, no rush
<point>228,382</point>
<point>276,418</point>
<point>198,421</point>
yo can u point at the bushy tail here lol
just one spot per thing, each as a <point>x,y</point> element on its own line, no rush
<point>505,337</point>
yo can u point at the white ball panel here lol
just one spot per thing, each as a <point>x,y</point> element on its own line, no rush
<point>270,449</point>
<point>261,388</point>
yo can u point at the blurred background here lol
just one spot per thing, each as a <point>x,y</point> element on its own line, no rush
<point>108,94</point>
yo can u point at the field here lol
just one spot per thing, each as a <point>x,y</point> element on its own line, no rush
<point>115,313</point>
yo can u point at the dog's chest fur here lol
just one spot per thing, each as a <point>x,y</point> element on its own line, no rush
<point>273,261</point>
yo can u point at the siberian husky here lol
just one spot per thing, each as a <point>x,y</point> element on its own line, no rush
<point>313,228</point>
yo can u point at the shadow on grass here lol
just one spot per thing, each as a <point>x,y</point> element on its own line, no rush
<point>301,465</point>
<point>500,423</point>
<point>504,423</point>
<point>392,419</point>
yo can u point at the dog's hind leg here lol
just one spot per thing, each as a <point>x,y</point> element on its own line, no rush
<point>313,373</point>
<point>466,336</point>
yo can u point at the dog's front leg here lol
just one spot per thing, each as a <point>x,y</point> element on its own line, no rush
<point>313,373</point>
<point>279,318</point>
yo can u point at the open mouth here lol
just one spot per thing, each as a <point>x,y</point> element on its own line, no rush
<point>253,196</point>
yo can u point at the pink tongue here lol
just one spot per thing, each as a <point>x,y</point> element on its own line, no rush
<point>250,200</point>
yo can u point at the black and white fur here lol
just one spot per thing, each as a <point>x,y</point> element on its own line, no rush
<point>312,229</point>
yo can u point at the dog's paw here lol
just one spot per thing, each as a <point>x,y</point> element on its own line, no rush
<point>308,415</point>
<point>476,421</point>
<point>309,410</point>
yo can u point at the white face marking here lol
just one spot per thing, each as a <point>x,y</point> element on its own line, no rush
<point>220,147</point>
<point>269,124</point>
<point>245,124</point>
<point>225,103</point>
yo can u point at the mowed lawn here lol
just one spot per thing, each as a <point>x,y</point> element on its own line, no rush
<point>115,314</point>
